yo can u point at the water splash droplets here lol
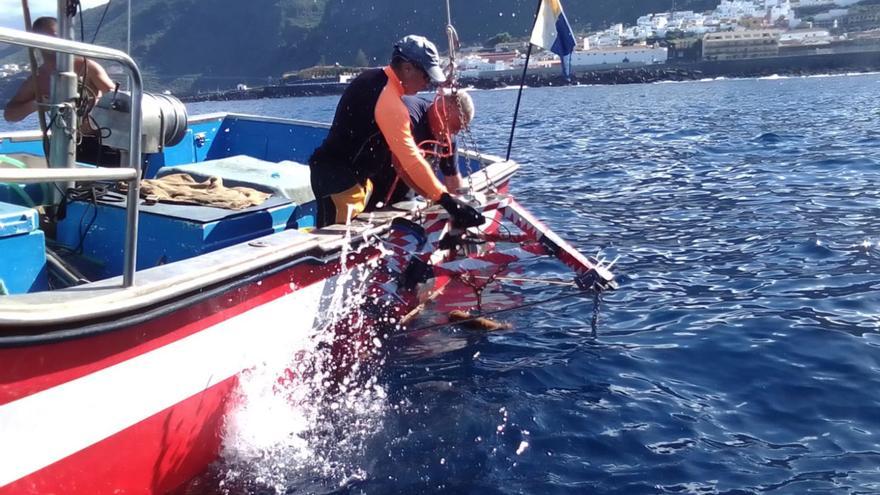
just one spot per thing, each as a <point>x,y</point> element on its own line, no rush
<point>306,418</point>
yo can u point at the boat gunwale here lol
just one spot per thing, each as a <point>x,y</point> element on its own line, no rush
<point>106,298</point>
<point>87,329</point>
<point>30,135</point>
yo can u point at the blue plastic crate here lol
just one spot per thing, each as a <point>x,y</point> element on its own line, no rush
<point>167,232</point>
<point>22,251</point>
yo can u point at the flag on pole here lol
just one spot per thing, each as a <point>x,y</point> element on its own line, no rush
<point>552,32</point>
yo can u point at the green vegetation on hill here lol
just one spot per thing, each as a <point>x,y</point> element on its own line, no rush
<point>189,45</point>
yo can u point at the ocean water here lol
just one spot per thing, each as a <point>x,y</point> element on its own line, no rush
<point>741,353</point>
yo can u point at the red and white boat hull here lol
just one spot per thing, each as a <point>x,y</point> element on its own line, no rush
<point>137,403</point>
<point>140,410</point>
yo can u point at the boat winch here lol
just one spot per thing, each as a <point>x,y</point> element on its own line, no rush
<point>164,120</point>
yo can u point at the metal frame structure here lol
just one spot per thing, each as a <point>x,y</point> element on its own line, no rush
<point>131,174</point>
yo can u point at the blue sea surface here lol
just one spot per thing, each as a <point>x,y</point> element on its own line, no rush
<point>741,353</point>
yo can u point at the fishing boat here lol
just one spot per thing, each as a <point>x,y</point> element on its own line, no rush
<point>126,321</point>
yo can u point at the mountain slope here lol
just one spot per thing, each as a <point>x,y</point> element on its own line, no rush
<point>207,44</point>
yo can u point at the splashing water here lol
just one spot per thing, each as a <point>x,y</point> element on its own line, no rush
<point>306,419</point>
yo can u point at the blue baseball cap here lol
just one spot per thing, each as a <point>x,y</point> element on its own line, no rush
<point>419,51</point>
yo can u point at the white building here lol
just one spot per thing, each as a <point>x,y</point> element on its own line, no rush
<point>511,46</point>
<point>612,36</point>
<point>730,15</point>
<point>686,16</point>
<point>734,10</point>
<point>780,10</point>
<point>658,25</point>
<point>805,37</point>
<point>817,3</point>
<point>624,55</point>
<point>473,65</point>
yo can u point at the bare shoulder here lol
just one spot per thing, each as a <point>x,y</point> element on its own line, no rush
<point>95,74</point>
<point>80,63</point>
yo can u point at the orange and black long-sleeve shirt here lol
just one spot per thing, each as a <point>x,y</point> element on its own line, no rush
<point>371,124</point>
<point>387,178</point>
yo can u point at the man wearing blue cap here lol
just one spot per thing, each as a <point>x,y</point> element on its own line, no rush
<point>372,124</point>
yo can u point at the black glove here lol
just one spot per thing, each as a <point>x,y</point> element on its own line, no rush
<point>463,215</point>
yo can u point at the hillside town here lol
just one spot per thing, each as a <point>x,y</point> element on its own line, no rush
<point>735,30</point>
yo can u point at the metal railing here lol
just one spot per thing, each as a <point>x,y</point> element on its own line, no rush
<point>130,175</point>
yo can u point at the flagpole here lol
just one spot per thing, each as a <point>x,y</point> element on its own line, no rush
<point>522,83</point>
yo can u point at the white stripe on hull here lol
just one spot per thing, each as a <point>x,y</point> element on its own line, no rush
<point>48,426</point>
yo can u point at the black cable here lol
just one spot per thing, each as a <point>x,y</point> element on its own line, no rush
<point>82,26</point>
<point>91,194</point>
<point>80,246</point>
<point>81,109</point>
<point>85,94</point>
<point>101,22</point>
<point>100,137</point>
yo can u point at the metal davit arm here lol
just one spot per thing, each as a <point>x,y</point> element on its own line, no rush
<point>23,38</point>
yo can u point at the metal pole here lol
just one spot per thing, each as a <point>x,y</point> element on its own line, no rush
<point>521,84</point>
<point>62,152</point>
<point>131,202</point>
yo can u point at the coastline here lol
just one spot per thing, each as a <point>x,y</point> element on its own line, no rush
<point>795,65</point>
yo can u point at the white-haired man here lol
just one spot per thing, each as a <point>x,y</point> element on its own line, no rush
<point>435,123</point>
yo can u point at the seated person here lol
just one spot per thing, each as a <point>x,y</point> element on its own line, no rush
<point>434,126</point>
<point>34,91</point>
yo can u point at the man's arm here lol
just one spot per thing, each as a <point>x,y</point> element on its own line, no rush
<point>95,75</point>
<point>23,103</point>
<point>453,182</point>
<point>394,122</point>
<point>98,77</point>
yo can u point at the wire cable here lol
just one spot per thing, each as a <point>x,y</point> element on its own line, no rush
<point>101,22</point>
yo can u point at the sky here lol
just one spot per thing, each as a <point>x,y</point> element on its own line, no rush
<point>10,10</point>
